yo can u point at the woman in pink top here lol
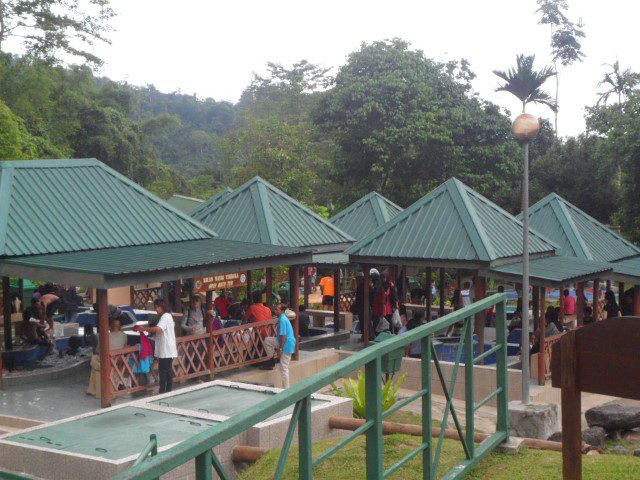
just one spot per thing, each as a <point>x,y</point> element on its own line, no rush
<point>569,303</point>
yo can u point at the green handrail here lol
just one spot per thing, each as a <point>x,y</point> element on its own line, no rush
<point>200,446</point>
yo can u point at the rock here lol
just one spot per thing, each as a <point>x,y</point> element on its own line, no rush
<point>533,421</point>
<point>636,453</point>
<point>620,450</point>
<point>593,452</point>
<point>614,417</point>
<point>593,436</point>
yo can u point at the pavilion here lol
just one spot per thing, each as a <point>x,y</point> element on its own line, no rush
<point>80,222</point>
<point>259,212</point>
<point>451,227</point>
<point>207,204</point>
<point>183,203</point>
<point>365,215</point>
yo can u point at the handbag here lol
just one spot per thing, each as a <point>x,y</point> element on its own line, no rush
<point>383,325</point>
<point>396,321</point>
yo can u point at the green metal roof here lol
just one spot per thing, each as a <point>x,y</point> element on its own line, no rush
<point>51,206</point>
<point>184,204</point>
<point>258,212</point>
<point>576,233</point>
<point>627,270</point>
<point>112,267</point>
<point>553,271</point>
<point>205,206</point>
<point>450,224</point>
<point>365,215</point>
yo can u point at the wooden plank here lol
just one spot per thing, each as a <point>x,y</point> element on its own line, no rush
<point>365,322</point>
<point>6,313</point>
<point>428,296</point>
<point>294,294</point>
<point>636,300</point>
<point>336,300</point>
<point>542,363</point>
<point>103,337</point>
<point>571,422</point>
<point>441,292</point>
<point>269,286</point>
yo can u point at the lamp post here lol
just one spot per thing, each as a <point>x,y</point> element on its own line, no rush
<point>525,129</point>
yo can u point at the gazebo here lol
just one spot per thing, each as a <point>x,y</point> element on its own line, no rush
<point>80,222</point>
<point>582,236</point>
<point>451,227</point>
<point>365,215</point>
<point>258,212</point>
<point>206,205</point>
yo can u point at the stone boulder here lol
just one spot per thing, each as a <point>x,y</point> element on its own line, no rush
<point>593,436</point>
<point>614,417</point>
<point>533,421</point>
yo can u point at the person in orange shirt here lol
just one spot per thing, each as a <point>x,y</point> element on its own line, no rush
<point>327,287</point>
<point>257,312</point>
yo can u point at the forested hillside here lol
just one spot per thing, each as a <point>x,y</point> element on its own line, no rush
<point>390,119</point>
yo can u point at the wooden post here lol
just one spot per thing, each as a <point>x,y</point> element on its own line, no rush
<point>269,286</point>
<point>403,284</point>
<point>428,296</point>
<point>596,298</point>
<point>636,300</point>
<point>441,292</point>
<point>336,300</point>
<point>535,300</point>
<point>165,292</point>
<point>294,295</point>
<point>177,295</point>
<point>580,303</point>
<point>307,285</point>
<point>459,279</point>
<point>249,285</point>
<point>208,297</point>
<point>571,415</point>
<point>542,364</point>
<point>620,293</point>
<point>21,293</point>
<point>103,337</point>
<point>608,285</point>
<point>132,296</point>
<point>366,309</point>
<point>6,312</point>
<point>480,290</point>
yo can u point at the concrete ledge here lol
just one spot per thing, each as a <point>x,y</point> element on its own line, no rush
<point>512,446</point>
<point>46,374</point>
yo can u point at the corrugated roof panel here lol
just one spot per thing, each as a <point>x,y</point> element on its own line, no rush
<point>71,205</point>
<point>205,206</point>
<point>450,223</point>
<point>556,269</point>
<point>258,212</point>
<point>365,215</point>
<point>156,257</point>
<point>629,268</point>
<point>184,204</point>
<point>577,233</point>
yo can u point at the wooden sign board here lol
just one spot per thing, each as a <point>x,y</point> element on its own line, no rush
<point>607,356</point>
<point>220,282</point>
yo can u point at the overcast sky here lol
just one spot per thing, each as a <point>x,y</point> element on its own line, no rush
<point>210,48</point>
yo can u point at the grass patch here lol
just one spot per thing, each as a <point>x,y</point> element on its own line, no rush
<point>348,463</point>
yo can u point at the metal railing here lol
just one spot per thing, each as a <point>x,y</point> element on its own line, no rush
<point>200,447</point>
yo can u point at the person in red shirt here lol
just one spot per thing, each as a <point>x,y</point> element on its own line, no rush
<point>569,303</point>
<point>257,312</point>
<point>222,304</point>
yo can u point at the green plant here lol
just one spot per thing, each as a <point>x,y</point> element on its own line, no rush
<point>355,389</point>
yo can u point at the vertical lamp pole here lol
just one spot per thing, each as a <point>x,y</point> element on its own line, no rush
<point>525,129</point>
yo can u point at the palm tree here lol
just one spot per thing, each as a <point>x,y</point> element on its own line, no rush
<point>526,83</point>
<point>621,83</point>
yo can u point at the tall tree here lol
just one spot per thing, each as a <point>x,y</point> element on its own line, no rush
<point>622,83</point>
<point>49,28</point>
<point>565,37</point>
<point>525,83</point>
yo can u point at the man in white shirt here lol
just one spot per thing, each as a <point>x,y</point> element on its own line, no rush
<point>165,339</point>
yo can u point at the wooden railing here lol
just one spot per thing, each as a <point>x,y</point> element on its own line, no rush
<point>544,370</point>
<point>346,300</point>
<point>232,347</point>
<point>141,296</point>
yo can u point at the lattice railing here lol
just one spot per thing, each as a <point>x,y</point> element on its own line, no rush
<point>547,349</point>
<point>242,345</point>
<point>141,296</point>
<point>346,300</point>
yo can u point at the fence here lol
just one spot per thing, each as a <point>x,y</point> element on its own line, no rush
<point>199,448</point>
<point>544,367</point>
<point>232,347</point>
<point>141,296</point>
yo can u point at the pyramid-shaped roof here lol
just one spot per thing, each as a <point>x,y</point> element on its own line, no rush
<point>452,223</point>
<point>576,233</point>
<point>204,206</point>
<point>258,212</point>
<point>183,203</point>
<point>55,206</point>
<point>365,215</point>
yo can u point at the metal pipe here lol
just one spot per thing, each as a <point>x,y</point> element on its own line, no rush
<point>526,397</point>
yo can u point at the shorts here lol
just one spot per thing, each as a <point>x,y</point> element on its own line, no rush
<point>327,300</point>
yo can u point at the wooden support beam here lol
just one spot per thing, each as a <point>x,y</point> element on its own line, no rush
<point>6,313</point>
<point>428,295</point>
<point>580,303</point>
<point>542,364</point>
<point>366,309</point>
<point>294,295</point>
<point>307,284</point>
<point>269,286</point>
<point>620,292</point>
<point>21,293</point>
<point>596,298</point>
<point>636,300</point>
<point>336,300</point>
<point>249,285</point>
<point>459,279</point>
<point>441,292</point>
<point>535,300</point>
<point>103,338</point>
<point>480,291</point>
<point>561,305</point>
<point>165,292</point>
<point>177,295</point>
<point>571,415</point>
<point>132,296</point>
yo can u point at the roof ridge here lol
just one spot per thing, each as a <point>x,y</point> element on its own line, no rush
<point>51,163</point>
<point>570,230</point>
<point>379,210</point>
<point>187,197</point>
<point>480,241</point>
<point>265,222</point>
<point>210,201</point>
<point>6,181</point>
<point>350,208</point>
